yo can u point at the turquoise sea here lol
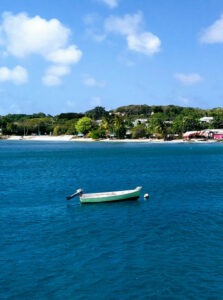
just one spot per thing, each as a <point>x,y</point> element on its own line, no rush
<point>167,247</point>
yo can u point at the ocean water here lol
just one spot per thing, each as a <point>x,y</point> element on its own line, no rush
<point>167,247</point>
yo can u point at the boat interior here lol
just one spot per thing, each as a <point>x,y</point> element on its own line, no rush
<point>107,194</point>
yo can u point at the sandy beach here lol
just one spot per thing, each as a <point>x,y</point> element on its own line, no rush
<point>71,138</point>
<point>47,138</point>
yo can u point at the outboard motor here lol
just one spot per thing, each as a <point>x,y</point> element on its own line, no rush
<point>78,192</point>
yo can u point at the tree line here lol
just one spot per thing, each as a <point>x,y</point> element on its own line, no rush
<point>162,121</point>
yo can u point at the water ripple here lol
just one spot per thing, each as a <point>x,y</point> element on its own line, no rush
<point>167,247</point>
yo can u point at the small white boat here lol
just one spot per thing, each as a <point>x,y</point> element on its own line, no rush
<point>107,196</point>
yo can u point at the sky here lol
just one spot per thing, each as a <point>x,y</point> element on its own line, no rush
<point>72,55</point>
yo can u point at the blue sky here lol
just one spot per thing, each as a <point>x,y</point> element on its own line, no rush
<point>71,55</point>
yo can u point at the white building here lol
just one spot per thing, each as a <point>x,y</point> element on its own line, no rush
<point>119,114</point>
<point>99,122</point>
<point>206,119</point>
<point>139,121</point>
<point>168,122</point>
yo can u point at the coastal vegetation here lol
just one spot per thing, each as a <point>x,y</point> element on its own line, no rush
<point>132,121</point>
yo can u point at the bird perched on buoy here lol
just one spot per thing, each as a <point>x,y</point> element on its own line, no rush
<point>146,196</point>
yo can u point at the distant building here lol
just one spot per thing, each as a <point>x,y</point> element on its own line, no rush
<point>216,134</point>
<point>139,121</point>
<point>80,134</point>
<point>110,135</point>
<point>171,136</point>
<point>206,119</point>
<point>194,134</point>
<point>120,114</point>
<point>99,122</point>
<point>168,122</point>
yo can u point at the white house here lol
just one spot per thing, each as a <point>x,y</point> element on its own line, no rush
<point>206,119</point>
<point>99,122</point>
<point>119,114</point>
<point>139,121</point>
<point>168,122</point>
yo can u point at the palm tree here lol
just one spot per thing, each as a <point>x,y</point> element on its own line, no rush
<point>119,127</point>
<point>161,128</point>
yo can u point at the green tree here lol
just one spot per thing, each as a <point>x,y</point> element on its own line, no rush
<point>39,125</point>
<point>108,123</point>
<point>217,122</point>
<point>190,123</point>
<point>139,132</point>
<point>98,133</point>
<point>157,109</point>
<point>69,116</point>
<point>178,125</point>
<point>157,125</point>
<point>10,128</point>
<point>135,110</point>
<point>119,127</point>
<point>71,126</point>
<point>128,123</point>
<point>97,113</point>
<point>84,125</point>
<point>59,129</point>
<point>172,111</point>
<point>39,115</point>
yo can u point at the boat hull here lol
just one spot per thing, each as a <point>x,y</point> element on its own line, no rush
<point>134,195</point>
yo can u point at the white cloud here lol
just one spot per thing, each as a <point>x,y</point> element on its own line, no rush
<point>93,22</point>
<point>70,55</point>
<point>90,81</point>
<point>97,37</point>
<point>95,101</point>
<point>214,33</point>
<point>54,73</point>
<point>188,79</point>
<point>1,38</point>
<point>51,80</point>
<point>146,43</point>
<point>137,39</point>
<point>110,3</point>
<point>22,35</point>
<point>127,25</point>
<point>90,19</point>
<point>58,70</point>
<point>18,75</point>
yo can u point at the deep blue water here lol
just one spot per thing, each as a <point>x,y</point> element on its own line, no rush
<point>167,247</point>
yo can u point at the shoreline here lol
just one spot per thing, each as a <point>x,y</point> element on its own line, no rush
<point>70,138</point>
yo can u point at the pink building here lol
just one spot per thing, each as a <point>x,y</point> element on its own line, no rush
<point>218,136</point>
